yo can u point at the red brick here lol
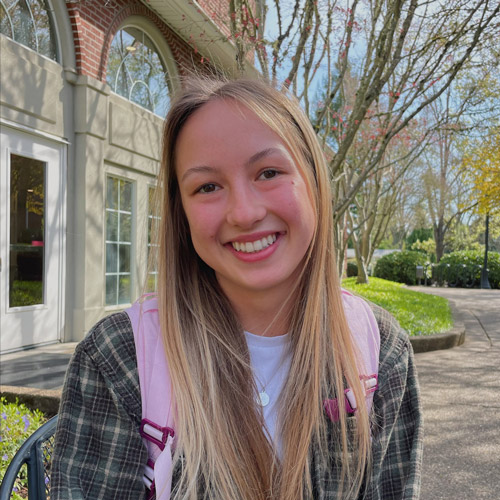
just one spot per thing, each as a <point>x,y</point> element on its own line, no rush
<point>94,24</point>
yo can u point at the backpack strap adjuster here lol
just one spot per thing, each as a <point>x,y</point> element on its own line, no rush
<point>155,433</point>
<point>332,406</point>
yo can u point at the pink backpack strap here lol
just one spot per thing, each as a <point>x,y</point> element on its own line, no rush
<point>157,426</point>
<point>366,335</point>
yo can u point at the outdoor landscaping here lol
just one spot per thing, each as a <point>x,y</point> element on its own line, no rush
<point>17,423</point>
<point>418,313</point>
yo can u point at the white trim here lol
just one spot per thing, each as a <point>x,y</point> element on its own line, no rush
<point>109,173</point>
<point>49,149</point>
<point>33,131</point>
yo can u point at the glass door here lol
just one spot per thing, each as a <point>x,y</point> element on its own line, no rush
<point>32,240</point>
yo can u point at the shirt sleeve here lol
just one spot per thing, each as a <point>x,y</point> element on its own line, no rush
<point>397,426</point>
<point>98,452</point>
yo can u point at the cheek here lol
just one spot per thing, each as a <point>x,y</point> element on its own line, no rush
<point>297,207</point>
<point>202,224</point>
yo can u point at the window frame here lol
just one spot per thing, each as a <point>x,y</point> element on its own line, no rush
<point>52,26</point>
<point>163,50</point>
<point>133,215</point>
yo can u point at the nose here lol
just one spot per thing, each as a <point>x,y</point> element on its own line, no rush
<point>245,207</point>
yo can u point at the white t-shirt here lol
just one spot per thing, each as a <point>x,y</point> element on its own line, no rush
<point>270,358</point>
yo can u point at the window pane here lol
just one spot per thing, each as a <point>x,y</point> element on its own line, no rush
<point>111,258</point>
<point>28,22</point>
<point>125,227</point>
<point>136,71</point>
<point>126,196</point>
<point>124,290</point>
<point>5,23</point>
<point>111,289</point>
<point>112,193</point>
<point>124,259</point>
<point>27,235</point>
<point>111,226</point>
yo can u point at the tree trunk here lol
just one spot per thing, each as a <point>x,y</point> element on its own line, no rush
<point>362,271</point>
<point>439,233</point>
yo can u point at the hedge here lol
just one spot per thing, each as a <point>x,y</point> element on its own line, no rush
<point>463,268</point>
<point>400,266</point>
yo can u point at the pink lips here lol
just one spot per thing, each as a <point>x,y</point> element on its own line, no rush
<point>254,256</point>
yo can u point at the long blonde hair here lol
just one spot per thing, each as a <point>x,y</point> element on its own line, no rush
<point>221,443</point>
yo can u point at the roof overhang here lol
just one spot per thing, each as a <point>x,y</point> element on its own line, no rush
<point>195,26</point>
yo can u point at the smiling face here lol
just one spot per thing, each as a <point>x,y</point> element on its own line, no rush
<point>246,202</point>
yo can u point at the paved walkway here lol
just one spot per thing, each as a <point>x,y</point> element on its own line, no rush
<point>39,368</point>
<point>461,395</point>
<point>460,390</point>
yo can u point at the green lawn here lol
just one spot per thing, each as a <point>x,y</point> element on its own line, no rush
<point>418,313</point>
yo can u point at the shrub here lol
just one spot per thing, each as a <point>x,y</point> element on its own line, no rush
<point>352,268</point>
<point>463,268</point>
<point>17,423</point>
<point>422,234</point>
<point>400,266</point>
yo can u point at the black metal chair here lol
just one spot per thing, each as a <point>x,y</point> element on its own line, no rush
<point>36,453</point>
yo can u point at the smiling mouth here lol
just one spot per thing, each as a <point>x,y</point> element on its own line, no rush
<point>254,246</point>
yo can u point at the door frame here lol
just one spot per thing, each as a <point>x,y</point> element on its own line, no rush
<point>58,145</point>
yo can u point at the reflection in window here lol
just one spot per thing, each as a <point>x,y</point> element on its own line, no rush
<point>26,245</point>
<point>118,241</point>
<point>153,219</point>
<point>136,71</point>
<point>28,23</point>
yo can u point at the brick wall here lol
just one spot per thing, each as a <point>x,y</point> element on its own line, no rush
<point>218,11</point>
<point>95,22</point>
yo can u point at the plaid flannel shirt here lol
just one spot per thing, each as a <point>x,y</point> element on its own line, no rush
<point>99,453</point>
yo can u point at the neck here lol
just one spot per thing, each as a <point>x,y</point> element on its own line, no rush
<point>265,314</point>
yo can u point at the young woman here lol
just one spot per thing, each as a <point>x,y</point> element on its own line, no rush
<point>257,335</point>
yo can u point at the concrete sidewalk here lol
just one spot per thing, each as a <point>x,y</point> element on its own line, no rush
<point>40,368</point>
<point>461,396</point>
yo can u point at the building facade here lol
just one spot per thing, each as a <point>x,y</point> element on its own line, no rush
<point>84,89</point>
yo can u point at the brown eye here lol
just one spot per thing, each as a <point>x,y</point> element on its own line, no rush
<point>269,173</point>
<point>207,188</point>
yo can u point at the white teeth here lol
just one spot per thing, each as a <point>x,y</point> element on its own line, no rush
<point>254,246</point>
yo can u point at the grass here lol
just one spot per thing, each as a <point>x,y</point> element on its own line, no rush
<point>418,313</point>
<point>17,423</point>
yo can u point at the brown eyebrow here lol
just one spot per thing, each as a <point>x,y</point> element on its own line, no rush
<point>194,170</point>
<point>262,154</point>
<point>253,159</point>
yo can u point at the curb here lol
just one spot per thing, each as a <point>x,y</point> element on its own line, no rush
<point>438,341</point>
<point>447,340</point>
<point>46,401</point>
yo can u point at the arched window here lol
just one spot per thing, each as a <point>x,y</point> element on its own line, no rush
<point>136,70</point>
<point>28,22</point>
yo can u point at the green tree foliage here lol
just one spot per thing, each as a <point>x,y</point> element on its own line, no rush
<point>422,234</point>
